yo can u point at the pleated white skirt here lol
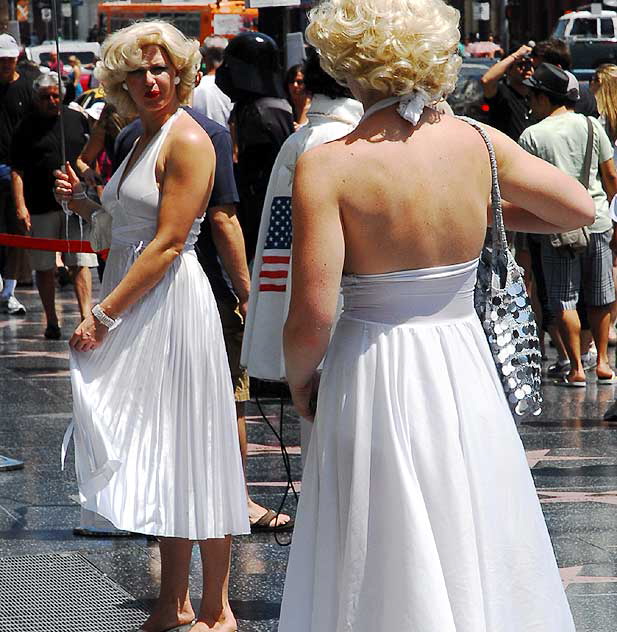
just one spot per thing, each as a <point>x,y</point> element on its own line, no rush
<point>418,512</point>
<point>155,428</point>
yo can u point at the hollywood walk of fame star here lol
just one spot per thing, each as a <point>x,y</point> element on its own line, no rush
<point>535,456</point>
<point>570,575</point>
<point>550,496</point>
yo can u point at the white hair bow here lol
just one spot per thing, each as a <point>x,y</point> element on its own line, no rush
<point>412,105</point>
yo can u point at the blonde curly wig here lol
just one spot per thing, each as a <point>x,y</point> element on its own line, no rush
<point>122,52</point>
<point>391,46</point>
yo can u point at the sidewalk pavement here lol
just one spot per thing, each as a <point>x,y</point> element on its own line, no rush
<point>572,454</point>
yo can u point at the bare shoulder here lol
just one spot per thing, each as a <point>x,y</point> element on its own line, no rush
<point>188,138</point>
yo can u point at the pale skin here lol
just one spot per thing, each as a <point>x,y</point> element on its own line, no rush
<point>359,202</point>
<point>568,322</point>
<point>510,66</point>
<point>184,173</point>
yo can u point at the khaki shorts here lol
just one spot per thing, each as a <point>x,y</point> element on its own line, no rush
<point>53,225</point>
<point>233,331</point>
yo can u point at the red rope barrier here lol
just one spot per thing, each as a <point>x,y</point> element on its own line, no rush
<point>40,243</point>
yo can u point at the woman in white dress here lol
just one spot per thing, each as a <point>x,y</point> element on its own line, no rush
<point>418,511</point>
<point>156,444</point>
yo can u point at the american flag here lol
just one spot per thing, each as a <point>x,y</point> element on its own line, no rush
<point>277,249</point>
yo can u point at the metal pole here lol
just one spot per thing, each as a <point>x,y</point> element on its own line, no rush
<point>504,26</point>
<point>54,22</point>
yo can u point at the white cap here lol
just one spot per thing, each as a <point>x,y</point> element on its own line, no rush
<point>8,46</point>
<point>94,111</point>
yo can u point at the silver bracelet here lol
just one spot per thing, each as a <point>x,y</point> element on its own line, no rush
<point>103,318</point>
<point>80,195</point>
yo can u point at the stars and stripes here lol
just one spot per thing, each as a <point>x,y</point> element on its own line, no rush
<point>277,249</point>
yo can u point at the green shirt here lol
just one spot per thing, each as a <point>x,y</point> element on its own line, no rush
<point>562,141</point>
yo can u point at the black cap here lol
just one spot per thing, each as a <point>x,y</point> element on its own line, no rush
<point>552,80</point>
<point>251,67</point>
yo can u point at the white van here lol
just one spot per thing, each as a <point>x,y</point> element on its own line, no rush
<point>579,25</point>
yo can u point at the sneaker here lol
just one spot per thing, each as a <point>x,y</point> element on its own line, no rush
<point>561,367</point>
<point>11,306</point>
<point>590,359</point>
<point>52,332</point>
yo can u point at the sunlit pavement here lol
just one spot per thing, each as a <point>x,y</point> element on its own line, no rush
<point>572,453</point>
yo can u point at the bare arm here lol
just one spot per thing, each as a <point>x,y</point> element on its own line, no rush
<point>17,188</point>
<point>187,183</point>
<point>559,201</point>
<point>229,242</point>
<point>189,174</point>
<point>520,220</point>
<point>493,75</point>
<point>67,183</point>
<point>608,173</point>
<point>318,258</point>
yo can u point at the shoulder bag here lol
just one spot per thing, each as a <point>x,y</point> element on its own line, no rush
<point>505,311</point>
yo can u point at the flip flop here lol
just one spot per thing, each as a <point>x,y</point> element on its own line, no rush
<point>263,524</point>
<point>185,627</point>
<point>564,381</point>
<point>607,381</point>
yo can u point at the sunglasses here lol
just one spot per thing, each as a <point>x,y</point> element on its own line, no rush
<point>524,65</point>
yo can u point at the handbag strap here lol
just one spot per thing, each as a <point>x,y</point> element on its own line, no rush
<point>498,231</point>
<point>588,154</point>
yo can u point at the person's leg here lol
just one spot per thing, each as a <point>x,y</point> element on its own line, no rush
<point>542,308</point>
<point>173,607</point>
<point>46,285</point>
<point>233,330</point>
<point>562,273</point>
<point>600,295</point>
<point>79,265</point>
<point>46,225</point>
<point>15,258</point>
<point>82,282</point>
<point>570,329</point>
<point>215,612</point>
<point>600,321</point>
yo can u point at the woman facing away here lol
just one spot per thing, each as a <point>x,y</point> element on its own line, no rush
<point>418,511</point>
<point>156,444</point>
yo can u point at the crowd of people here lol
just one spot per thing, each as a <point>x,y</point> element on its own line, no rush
<point>537,101</point>
<point>202,159</point>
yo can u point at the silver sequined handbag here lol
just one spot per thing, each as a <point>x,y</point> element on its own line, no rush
<point>505,311</point>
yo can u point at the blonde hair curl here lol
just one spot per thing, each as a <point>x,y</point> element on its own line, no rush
<point>393,46</point>
<point>121,53</point>
<point>606,96</point>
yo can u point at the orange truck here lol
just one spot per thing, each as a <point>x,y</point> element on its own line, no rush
<point>198,20</point>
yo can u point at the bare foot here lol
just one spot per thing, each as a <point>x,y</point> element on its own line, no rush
<point>225,622</point>
<point>575,376</point>
<point>159,620</point>
<point>604,371</point>
<point>257,511</point>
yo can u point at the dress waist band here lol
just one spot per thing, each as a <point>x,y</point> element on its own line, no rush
<point>430,295</point>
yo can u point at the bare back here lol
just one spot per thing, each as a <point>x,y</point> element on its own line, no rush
<point>410,197</point>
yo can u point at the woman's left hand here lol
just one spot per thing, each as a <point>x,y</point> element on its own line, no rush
<point>305,397</point>
<point>89,335</point>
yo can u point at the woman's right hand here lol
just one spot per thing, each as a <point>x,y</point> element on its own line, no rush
<point>67,184</point>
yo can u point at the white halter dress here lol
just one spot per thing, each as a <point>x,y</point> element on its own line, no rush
<point>418,511</point>
<point>156,440</point>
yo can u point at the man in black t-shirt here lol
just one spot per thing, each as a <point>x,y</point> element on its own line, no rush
<point>15,102</point>
<point>506,94</point>
<point>35,154</point>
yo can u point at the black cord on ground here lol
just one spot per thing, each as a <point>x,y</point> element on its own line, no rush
<point>286,462</point>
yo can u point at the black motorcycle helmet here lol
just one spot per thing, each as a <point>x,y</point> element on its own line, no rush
<point>251,68</point>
